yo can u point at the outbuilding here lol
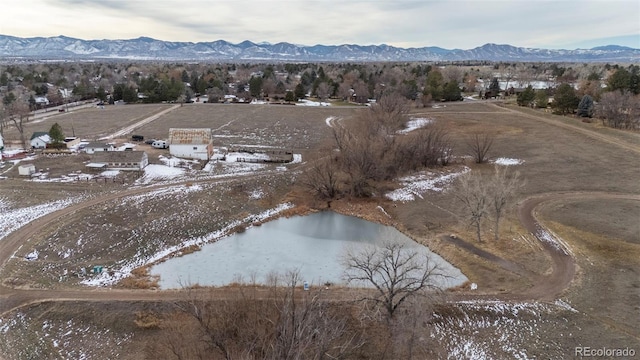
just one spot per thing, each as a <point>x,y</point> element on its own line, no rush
<point>191,143</point>
<point>119,160</point>
<point>94,147</point>
<point>26,169</point>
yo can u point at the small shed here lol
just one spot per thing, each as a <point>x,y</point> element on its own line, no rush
<point>26,169</point>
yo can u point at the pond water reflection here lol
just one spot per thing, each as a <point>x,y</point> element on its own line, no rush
<point>312,244</point>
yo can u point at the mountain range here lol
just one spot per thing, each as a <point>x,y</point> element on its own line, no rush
<point>144,48</point>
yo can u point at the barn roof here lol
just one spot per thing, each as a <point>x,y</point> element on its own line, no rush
<point>189,136</point>
<point>38,134</point>
<point>117,156</point>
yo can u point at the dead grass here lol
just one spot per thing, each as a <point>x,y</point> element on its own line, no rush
<point>140,279</point>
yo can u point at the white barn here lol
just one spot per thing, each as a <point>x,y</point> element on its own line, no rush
<point>191,143</point>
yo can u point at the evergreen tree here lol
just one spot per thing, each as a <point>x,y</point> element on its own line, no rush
<point>541,99</point>
<point>526,97</point>
<point>299,91</point>
<point>434,85</point>
<point>619,80</point>
<point>56,133</point>
<point>565,100</point>
<point>289,96</point>
<point>451,92</point>
<point>494,86</point>
<point>585,107</point>
<point>255,86</point>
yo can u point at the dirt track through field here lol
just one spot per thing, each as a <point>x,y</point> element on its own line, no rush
<point>547,287</point>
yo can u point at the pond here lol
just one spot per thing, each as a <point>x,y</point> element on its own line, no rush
<point>313,245</point>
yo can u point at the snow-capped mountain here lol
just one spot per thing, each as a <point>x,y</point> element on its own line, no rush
<point>62,47</point>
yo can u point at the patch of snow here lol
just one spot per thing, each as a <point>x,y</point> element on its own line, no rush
<point>256,194</point>
<point>414,124</point>
<point>507,161</point>
<point>564,305</point>
<point>159,172</point>
<point>416,185</point>
<point>297,159</point>
<point>110,173</point>
<point>329,121</point>
<point>32,256</point>
<point>550,238</point>
<point>312,103</point>
<point>383,211</point>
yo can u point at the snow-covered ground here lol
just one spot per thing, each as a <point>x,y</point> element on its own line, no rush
<point>123,268</point>
<point>14,218</point>
<point>416,185</point>
<point>495,329</point>
<point>507,161</point>
<point>305,102</point>
<point>28,338</point>
<point>414,124</point>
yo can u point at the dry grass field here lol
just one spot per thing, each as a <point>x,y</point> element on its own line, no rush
<point>90,123</point>
<point>558,155</point>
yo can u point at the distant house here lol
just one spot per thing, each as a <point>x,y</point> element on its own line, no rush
<point>94,147</point>
<point>119,160</point>
<point>40,140</point>
<point>42,100</point>
<point>191,143</point>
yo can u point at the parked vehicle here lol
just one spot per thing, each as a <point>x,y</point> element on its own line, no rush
<point>160,144</point>
<point>150,141</point>
<point>137,138</point>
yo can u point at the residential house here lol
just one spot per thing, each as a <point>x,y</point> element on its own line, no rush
<point>191,143</point>
<point>40,140</point>
<point>94,147</point>
<point>119,160</point>
<point>42,100</point>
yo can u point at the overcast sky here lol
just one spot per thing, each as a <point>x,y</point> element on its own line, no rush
<point>567,24</point>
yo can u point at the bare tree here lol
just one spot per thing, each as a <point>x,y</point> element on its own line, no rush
<point>619,110</point>
<point>395,271</point>
<point>322,179</point>
<point>473,194</point>
<point>19,115</point>
<point>279,321</point>
<point>479,145</point>
<point>323,91</point>
<point>502,188</point>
